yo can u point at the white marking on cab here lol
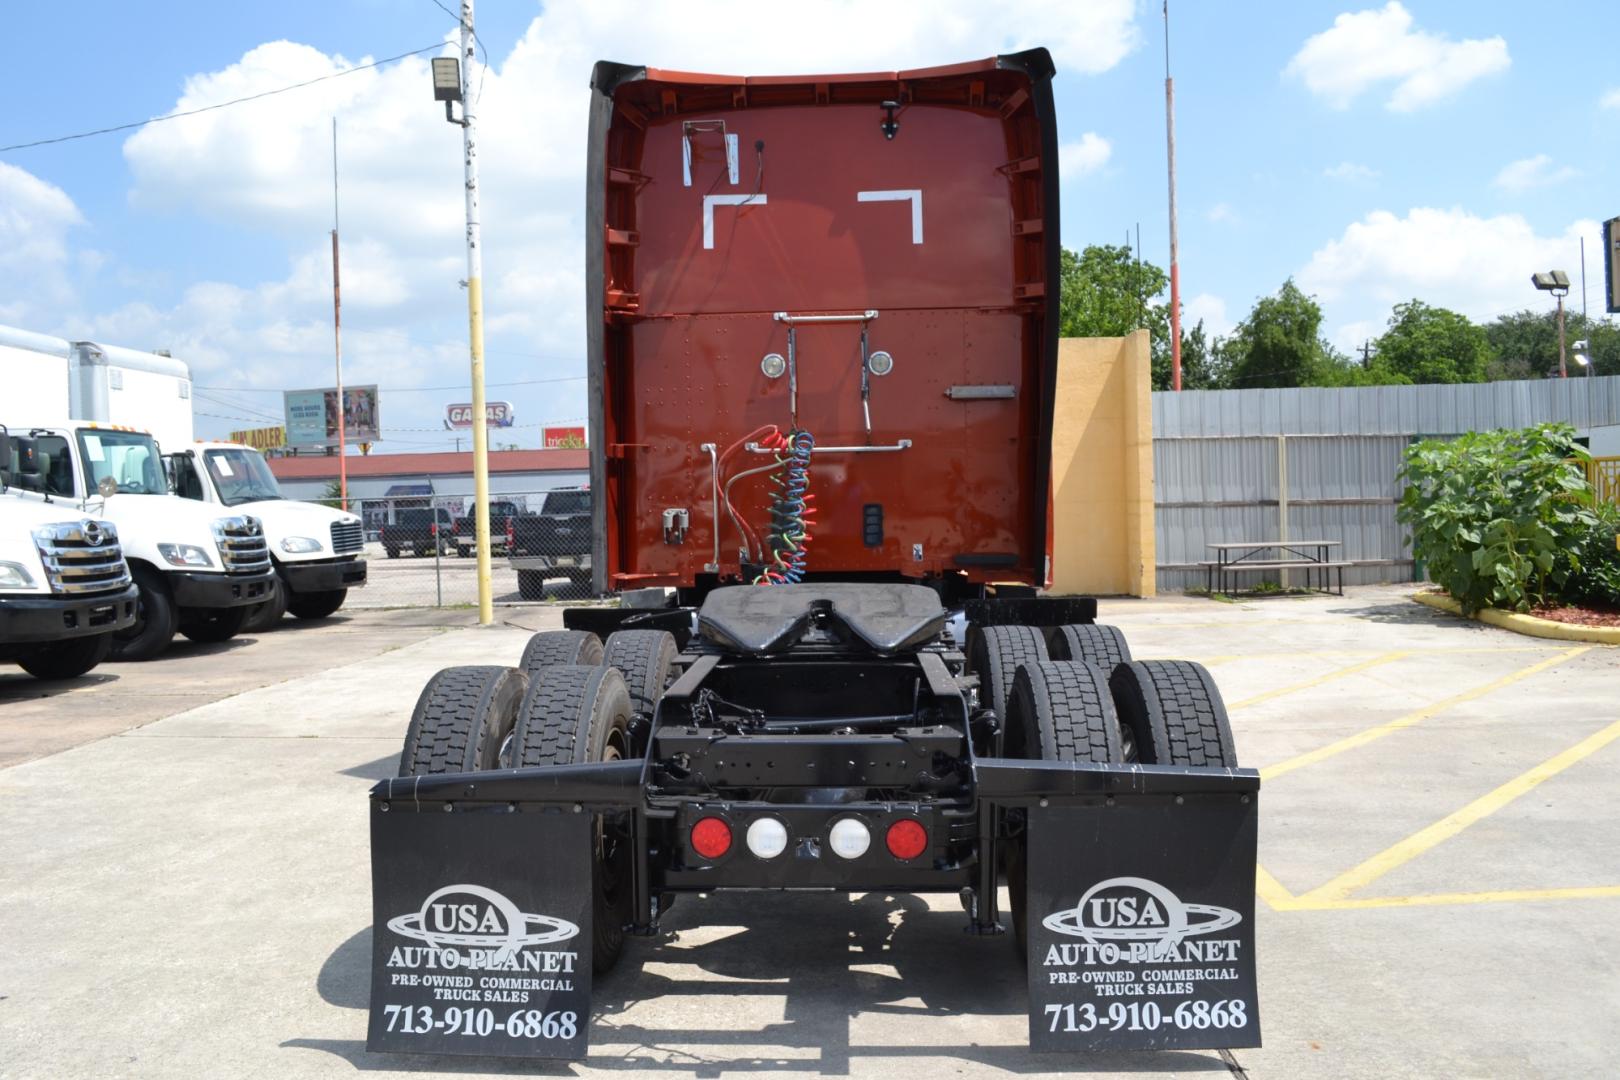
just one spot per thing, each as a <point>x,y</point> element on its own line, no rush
<point>712,201</point>
<point>912,195</point>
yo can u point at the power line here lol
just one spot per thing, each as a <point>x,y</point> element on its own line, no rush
<point>404,389</point>
<point>222,104</point>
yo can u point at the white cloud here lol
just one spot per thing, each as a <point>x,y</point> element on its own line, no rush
<point>1478,266</point>
<point>1380,46</point>
<point>1610,100</point>
<point>1533,172</point>
<point>1352,173</point>
<point>1077,159</point>
<point>1223,212</point>
<point>1209,308</point>
<point>36,268</point>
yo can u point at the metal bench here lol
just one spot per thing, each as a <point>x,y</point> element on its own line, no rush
<point>1310,556</point>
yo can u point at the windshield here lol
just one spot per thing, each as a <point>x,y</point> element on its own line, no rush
<point>568,502</point>
<point>241,475</point>
<point>129,457</point>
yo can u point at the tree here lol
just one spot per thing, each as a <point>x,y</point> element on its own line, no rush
<point>1433,345</point>
<point>1205,363</point>
<point>1278,344</point>
<point>1105,292</point>
<point>1525,344</point>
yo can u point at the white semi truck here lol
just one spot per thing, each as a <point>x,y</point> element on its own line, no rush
<point>198,571</point>
<point>64,586</point>
<point>317,551</point>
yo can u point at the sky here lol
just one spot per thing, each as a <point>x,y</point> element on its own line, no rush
<point>1437,149</point>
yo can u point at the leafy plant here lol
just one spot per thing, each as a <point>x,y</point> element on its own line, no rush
<point>1597,581</point>
<point>1498,516</point>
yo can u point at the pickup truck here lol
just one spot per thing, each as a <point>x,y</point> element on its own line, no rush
<point>420,530</point>
<point>554,542</point>
<point>501,514</point>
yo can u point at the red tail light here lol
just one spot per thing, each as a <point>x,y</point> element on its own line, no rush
<point>510,530</point>
<point>711,837</point>
<point>907,839</point>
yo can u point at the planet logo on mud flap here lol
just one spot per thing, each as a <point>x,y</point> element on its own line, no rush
<point>479,919</point>
<point>1136,909</point>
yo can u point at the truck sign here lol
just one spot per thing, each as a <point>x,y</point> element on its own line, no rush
<point>496,414</point>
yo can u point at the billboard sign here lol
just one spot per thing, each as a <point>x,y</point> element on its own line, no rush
<point>264,438</point>
<point>568,437</point>
<point>496,414</point>
<point>312,418</point>
<point>1611,265</point>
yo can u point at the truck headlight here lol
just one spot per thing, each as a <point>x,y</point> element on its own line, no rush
<point>295,545</point>
<point>184,555</point>
<point>15,576</point>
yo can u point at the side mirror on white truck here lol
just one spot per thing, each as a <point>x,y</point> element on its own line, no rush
<point>198,571</point>
<point>316,550</point>
<point>64,586</point>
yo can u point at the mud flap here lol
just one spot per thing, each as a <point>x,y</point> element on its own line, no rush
<point>1141,922</point>
<point>481,930</point>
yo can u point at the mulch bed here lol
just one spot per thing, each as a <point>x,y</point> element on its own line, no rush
<point>1581,616</point>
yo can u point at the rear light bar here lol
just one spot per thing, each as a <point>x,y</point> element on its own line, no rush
<point>768,837</point>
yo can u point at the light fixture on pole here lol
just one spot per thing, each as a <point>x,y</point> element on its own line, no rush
<point>1557,283</point>
<point>451,83</point>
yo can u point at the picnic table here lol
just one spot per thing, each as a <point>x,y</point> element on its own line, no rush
<point>1311,556</point>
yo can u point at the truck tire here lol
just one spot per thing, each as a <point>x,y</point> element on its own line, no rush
<point>267,616</point>
<point>995,654</point>
<point>573,714</point>
<point>1094,643</point>
<point>461,720</point>
<point>207,626</point>
<point>1173,714</point>
<point>1059,710</point>
<point>393,552</point>
<point>154,619</point>
<point>549,648</point>
<point>316,605</point>
<point>644,658</point>
<point>66,659</point>
<point>531,584</point>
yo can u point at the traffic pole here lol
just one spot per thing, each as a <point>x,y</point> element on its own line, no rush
<point>475,319</point>
<point>337,337</point>
<point>1175,268</point>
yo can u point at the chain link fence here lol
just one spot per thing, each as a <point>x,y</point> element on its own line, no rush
<point>421,550</point>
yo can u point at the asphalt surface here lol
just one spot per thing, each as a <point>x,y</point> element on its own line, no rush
<point>441,581</point>
<point>186,889</point>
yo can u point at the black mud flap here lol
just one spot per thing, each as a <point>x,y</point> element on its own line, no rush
<point>1141,922</point>
<point>481,931</point>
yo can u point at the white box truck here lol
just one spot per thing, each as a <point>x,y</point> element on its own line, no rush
<point>317,550</point>
<point>64,586</point>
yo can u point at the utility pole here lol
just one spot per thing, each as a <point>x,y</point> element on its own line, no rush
<point>475,317</point>
<point>337,336</point>
<point>1175,270</point>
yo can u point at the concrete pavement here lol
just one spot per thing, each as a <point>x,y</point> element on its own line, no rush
<point>190,896</point>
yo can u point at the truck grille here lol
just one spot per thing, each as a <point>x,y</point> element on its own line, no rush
<point>347,537</point>
<point>242,547</point>
<point>82,557</point>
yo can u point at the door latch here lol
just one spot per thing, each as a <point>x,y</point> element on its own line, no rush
<point>676,521</point>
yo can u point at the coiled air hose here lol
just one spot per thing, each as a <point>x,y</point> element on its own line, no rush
<point>792,512</point>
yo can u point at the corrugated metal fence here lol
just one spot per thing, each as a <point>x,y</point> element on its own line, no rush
<point>1219,457</point>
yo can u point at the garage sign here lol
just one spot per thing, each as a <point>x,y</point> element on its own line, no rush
<point>475,949</point>
<point>1136,944</point>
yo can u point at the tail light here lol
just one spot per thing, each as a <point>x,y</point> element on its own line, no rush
<point>767,838</point>
<point>849,838</point>
<point>907,839</point>
<point>510,530</point>
<point>711,837</point>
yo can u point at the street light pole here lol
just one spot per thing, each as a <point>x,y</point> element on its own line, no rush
<point>1170,152</point>
<point>475,318</point>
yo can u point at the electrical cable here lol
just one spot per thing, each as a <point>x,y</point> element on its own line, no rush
<point>222,104</point>
<point>792,515</point>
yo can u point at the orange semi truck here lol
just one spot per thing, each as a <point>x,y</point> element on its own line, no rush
<point>823,347</point>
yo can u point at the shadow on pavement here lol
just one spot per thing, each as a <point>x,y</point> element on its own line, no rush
<point>1408,613</point>
<point>17,685</point>
<point>381,769</point>
<point>803,948</point>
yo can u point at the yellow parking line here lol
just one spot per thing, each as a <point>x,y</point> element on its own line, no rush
<point>1499,896</point>
<point>1272,891</point>
<point>1331,676</point>
<point>1372,734</point>
<point>1452,824</point>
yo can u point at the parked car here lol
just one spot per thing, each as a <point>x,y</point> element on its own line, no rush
<point>554,542</point>
<point>419,530</point>
<point>501,513</point>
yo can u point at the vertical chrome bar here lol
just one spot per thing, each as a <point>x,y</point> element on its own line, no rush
<point>714,515</point>
<point>866,385</point>
<point>793,378</point>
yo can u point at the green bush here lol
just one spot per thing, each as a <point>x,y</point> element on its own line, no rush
<point>1499,517</point>
<point>1597,581</point>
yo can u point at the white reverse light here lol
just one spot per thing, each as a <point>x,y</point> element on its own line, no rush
<point>849,838</point>
<point>767,838</point>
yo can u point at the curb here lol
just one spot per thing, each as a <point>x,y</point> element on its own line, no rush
<point>1525,624</point>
